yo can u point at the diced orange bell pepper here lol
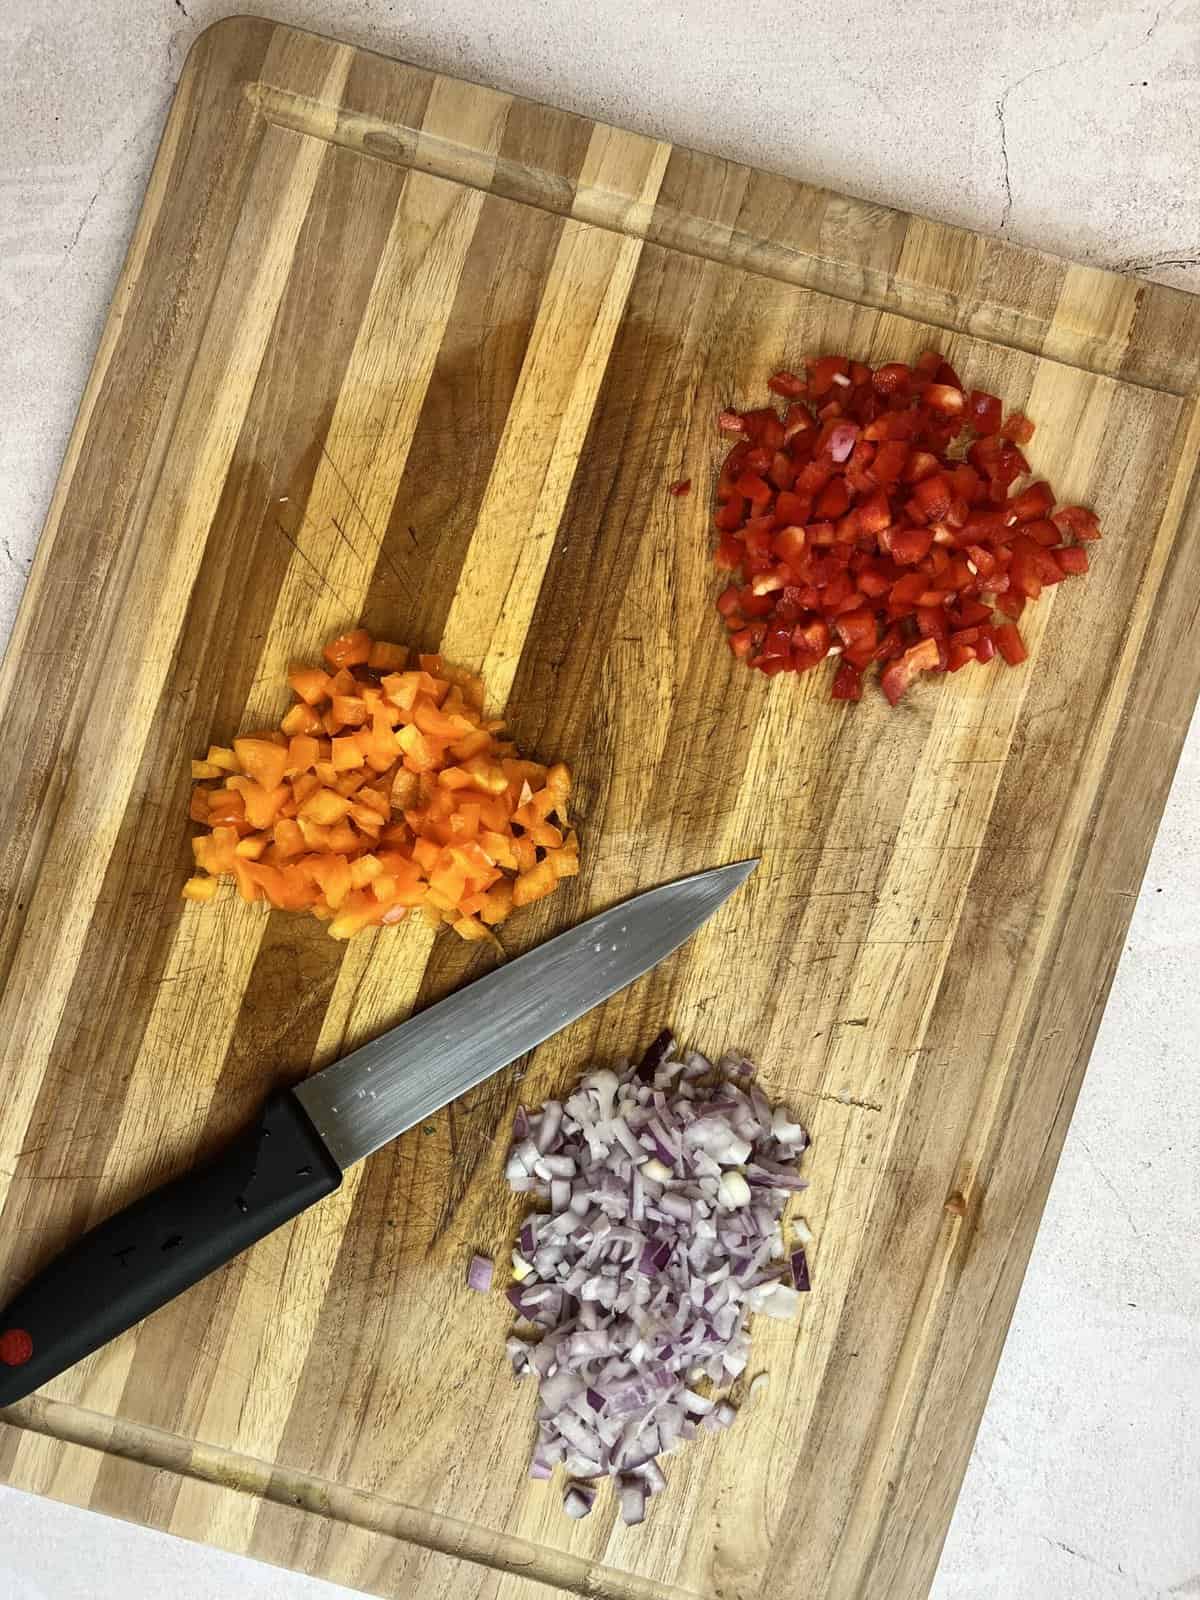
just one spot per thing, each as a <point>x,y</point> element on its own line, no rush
<point>497,902</point>
<point>471,744</point>
<point>301,719</point>
<point>349,649</point>
<point>310,683</point>
<point>303,751</point>
<point>247,886</point>
<point>564,862</point>
<point>347,754</point>
<point>326,806</point>
<point>420,751</point>
<point>364,870</point>
<point>315,834</point>
<point>262,760</point>
<point>200,889</point>
<point>539,881</point>
<point>344,840</point>
<point>225,806</point>
<point>350,711</point>
<point>499,846</point>
<point>377,799</point>
<point>525,851</point>
<point>366,820</point>
<point>386,790</point>
<point>385,657</point>
<point>262,804</point>
<point>333,875</point>
<point>487,775</point>
<point>289,841</point>
<point>307,783</point>
<point>431,719</point>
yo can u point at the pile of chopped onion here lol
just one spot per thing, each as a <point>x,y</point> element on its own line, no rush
<point>667,1185</point>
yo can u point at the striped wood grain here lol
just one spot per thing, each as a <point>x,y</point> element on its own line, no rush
<point>393,347</point>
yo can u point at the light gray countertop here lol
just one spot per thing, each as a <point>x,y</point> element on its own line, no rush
<point>1067,124</point>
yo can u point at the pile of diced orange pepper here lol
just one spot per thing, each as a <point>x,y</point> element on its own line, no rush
<point>386,790</point>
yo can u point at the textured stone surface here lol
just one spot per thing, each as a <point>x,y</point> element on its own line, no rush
<point>1066,124</point>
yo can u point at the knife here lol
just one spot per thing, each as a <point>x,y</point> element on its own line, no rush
<point>306,1137</point>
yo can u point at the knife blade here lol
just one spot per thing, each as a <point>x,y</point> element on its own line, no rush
<point>298,1148</point>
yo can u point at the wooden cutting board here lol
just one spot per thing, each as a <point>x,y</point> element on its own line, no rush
<point>394,347</point>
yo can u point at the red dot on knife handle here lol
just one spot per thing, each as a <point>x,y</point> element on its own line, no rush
<point>16,1347</point>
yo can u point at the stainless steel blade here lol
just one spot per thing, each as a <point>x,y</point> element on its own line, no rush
<point>379,1090</point>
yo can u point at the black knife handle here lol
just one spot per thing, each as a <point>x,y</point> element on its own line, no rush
<point>136,1261</point>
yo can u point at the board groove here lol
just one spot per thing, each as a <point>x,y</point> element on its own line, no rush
<point>396,347</point>
<point>689,234</point>
<point>373,1514</point>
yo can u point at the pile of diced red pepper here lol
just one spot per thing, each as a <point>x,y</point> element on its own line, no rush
<point>857,527</point>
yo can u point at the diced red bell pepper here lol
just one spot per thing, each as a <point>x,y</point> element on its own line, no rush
<point>873,515</point>
<point>958,655</point>
<point>889,463</point>
<point>731,515</point>
<point>847,682</point>
<point>921,464</point>
<point>797,421</point>
<point>730,554</point>
<point>857,627</point>
<point>972,614</point>
<point>812,477</point>
<point>906,592</point>
<point>984,410</point>
<point>907,546</point>
<point>1042,531</point>
<point>787,384</point>
<point>756,489</point>
<point>1032,503</point>
<point>1010,644</point>
<point>891,646</point>
<point>1072,558</point>
<point>812,638</point>
<point>1077,521</point>
<point>945,397</point>
<point>1018,428</point>
<point>833,500</point>
<point>898,675</point>
<point>933,494</point>
<point>853,514</point>
<point>823,372</point>
<point>892,378</point>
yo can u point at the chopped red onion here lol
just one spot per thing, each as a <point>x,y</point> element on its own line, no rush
<point>800,1277</point>
<point>667,1185</point>
<point>632,1494</point>
<point>577,1501</point>
<point>479,1274</point>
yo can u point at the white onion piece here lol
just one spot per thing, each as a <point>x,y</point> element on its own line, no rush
<point>667,1186</point>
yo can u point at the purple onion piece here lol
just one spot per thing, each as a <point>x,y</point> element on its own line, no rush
<point>578,1499</point>
<point>800,1276</point>
<point>657,1053</point>
<point>480,1274</point>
